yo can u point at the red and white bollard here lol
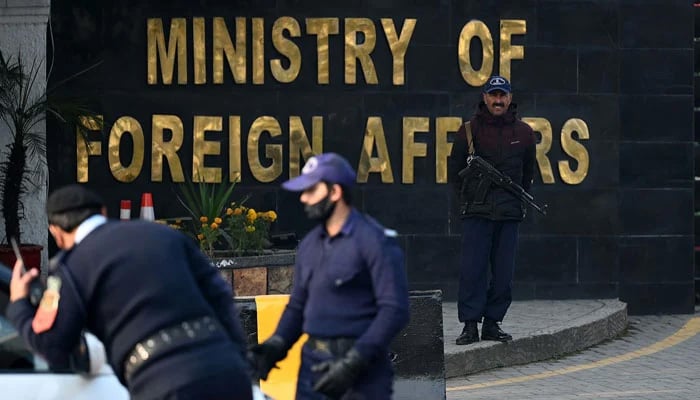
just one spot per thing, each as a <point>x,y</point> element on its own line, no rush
<point>125,210</point>
<point>147,212</point>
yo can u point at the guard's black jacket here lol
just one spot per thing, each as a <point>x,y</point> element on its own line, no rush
<point>509,145</point>
<point>131,280</point>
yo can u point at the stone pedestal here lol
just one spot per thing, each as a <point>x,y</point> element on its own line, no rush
<point>416,352</point>
<point>269,273</point>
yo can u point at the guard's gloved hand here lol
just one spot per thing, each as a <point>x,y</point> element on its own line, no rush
<point>340,374</point>
<point>263,357</point>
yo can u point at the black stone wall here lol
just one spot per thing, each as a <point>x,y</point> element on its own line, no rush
<point>625,67</point>
<point>696,46</point>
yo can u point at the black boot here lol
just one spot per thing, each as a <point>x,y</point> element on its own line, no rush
<point>470,334</point>
<point>490,330</point>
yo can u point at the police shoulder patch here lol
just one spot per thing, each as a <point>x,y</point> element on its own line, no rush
<point>390,233</point>
<point>387,232</point>
<point>48,307</point>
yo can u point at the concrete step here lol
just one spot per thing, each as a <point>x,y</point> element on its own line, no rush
<point>541,329</point>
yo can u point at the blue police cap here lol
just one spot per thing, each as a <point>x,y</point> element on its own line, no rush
<point>326,167</point>
<point>497,82</point>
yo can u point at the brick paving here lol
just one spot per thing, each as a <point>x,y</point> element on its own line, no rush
<point>672,372</point>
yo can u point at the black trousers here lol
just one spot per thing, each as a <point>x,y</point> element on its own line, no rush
<point>486,268</point>
<point>221,386</point>
<point>213,372</point>
<point>374,384</point>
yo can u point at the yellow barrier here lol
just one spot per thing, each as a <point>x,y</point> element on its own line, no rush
<point>281,383</point>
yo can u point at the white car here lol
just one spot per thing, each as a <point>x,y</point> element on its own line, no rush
<point>24,375</point>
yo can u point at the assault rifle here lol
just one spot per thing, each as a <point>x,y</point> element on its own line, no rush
<point>476,164</point>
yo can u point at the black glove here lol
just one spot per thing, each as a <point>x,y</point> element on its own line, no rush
<point>263,357</point>
<point>340,374</point>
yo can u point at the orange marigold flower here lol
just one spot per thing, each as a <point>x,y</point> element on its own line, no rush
<point>200,236</point>
<point>252,215</point>
<point>214,225</point>
<point>229,211</point>
<point>237,211</point>
<point>203,218</point>
<point>217,220</point>
<point>270,216</point>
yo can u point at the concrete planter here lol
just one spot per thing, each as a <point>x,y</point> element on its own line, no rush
<point>31,254</point>
<point>417,351</point>
<point>254,275</point>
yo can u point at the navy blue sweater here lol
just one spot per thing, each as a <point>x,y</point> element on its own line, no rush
<point>509,145</point>
<point>350,285</point>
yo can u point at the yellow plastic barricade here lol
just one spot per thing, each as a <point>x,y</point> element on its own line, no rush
<point>281,384</point>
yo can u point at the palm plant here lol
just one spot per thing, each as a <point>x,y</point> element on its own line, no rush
<point>24,105</point>
<point>21,109</point>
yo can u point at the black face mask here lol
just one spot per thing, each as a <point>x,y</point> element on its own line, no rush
<point>320,211</point>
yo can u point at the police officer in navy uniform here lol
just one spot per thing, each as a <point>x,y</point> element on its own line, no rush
<point>164,314</point>
<point>349,295</point>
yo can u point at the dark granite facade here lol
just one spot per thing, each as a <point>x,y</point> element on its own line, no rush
<point>624,67</point>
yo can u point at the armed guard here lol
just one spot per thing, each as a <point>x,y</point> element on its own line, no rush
<point>490,211</point>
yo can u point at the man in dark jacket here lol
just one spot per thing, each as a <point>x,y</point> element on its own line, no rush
<point>165,316</point>
<point>490,215</point>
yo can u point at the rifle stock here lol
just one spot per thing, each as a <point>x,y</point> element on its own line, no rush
<point>503,181</point>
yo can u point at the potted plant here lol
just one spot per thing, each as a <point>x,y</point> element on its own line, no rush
<point>24,105</point>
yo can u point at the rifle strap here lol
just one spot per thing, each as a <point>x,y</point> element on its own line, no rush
<point>470,139</point>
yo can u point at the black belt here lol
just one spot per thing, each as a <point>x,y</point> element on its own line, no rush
<point>335,346</point>
<point>167,339</point>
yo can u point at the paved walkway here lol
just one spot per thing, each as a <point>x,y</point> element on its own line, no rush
<point>657,358</point>
<point>541,329</point>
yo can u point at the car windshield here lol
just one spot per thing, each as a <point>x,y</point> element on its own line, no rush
<point>7,331</point>
<point>14,355</point>
<point>25,375</point>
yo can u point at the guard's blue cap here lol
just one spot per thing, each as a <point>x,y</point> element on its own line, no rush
<point>497,82</point>
<point>326,167</point>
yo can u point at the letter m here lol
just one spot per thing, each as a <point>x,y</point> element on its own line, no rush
<point>157,51</point>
